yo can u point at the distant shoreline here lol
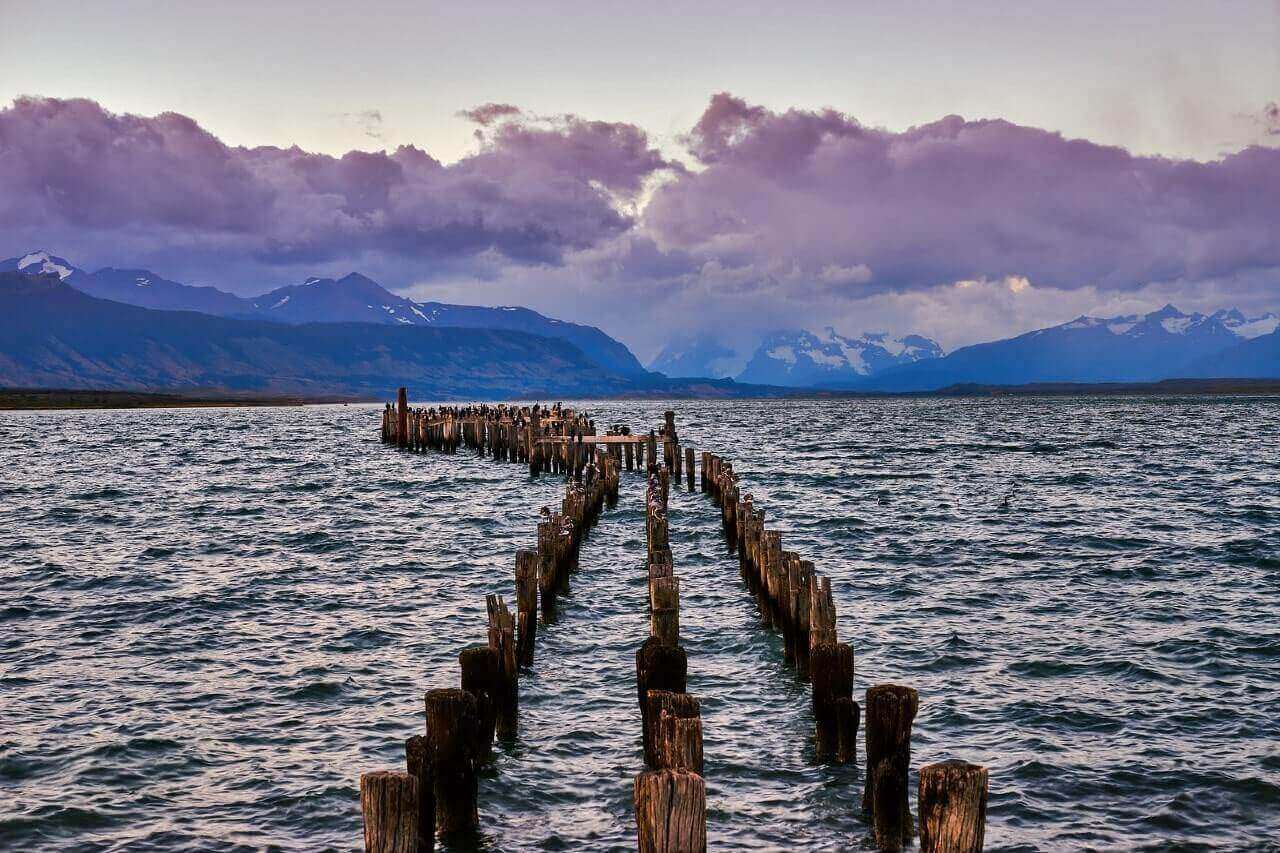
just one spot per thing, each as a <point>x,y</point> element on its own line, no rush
<point>27,399</point>
<point>15,399</point>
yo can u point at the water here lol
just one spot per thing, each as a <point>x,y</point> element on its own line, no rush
<point>215,619</point>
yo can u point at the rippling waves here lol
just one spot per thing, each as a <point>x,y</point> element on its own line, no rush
<point>215,619</point>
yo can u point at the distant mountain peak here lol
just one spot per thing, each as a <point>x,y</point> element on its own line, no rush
<point>42,262</point>
<point>803,358</point>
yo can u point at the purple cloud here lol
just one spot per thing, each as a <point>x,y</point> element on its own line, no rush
<point>73,174</point>
<point>957,199</point>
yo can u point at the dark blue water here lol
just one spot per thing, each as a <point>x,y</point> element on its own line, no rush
<point>214,620</point>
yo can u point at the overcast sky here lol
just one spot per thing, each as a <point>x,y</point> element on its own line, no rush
<point>764,205</point>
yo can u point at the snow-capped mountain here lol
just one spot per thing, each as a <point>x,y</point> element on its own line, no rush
<point>1163,344</point>
<point>803,358</point>
<point>1247,328</point>
<point>697,356</point>
<point>351,299</point>
<point>41,262</point>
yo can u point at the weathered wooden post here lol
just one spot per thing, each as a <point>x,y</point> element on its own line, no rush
<point>417,756</point>
<point>526,604</point>
<point>664,616</point>
<point>679,742</point>
<point>402,417</point>
<point>847,713</point>
<point>688,467</point>
<point>671,812</point>
<point>389,801</point>
<point>481,678</point>
<point>658,667</point>
<point>890,710</point>
<point>831,670</point>
<point>451,724</point>
<point>502,641</point>
<point>953,807</point>
<point>660,752</point>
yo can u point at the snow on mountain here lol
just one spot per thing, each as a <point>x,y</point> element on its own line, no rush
<point>41,262</point>
<point>1247,328</point>
<point>804,358</point>
<point>1162,344</point>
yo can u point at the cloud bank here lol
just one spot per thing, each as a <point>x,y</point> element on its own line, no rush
<point>777,218</point>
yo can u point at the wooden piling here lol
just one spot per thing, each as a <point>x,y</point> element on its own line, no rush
<point>670,744</point>
<point>953,807</point>
<point>658,667</point>
<point>665,612</point>
<point>890,710</point>
<point>502,641</point>
<point>417,756</point>
<point>671,812</point>
<point>402,417</point>
<point>389,803</point>
<point>688,467</point>
<point>526,604</point>
<point>481,677</point>
<point>847,713</point>
<point>831,670</point>
<point>452,718</point>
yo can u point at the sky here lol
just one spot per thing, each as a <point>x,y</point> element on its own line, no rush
<point>661,171</point>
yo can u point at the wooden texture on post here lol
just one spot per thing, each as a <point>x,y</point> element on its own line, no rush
<point>679,742</point>
<point>890,709</point>
<point>671,812</point>
<point>402,417</point>
<point>502,639</point>
<point>688,467</point>
<point>658,667</point>
<point>674,704</point>
<point>847,714</point>
<point>481,678</point>
<point>664,622</point>
<point>526,604</point>
<point>417,758</point>
<point>451,725</point>
<point>953,807</point>
<point>389,803</point>
<point>831,670</point>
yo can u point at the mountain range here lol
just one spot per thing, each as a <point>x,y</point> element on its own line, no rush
<point>55,336</point>
<point>353,298</point>
<point>1162,344</point>
<point>805,359</point>
<point>125,328</point>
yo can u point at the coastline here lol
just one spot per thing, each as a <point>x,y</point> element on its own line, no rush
<point>34,399</point>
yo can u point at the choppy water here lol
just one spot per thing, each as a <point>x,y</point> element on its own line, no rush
<point>215,619</point>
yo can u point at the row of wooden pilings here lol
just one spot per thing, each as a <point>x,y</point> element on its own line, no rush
<point>403,811</point>
<point>670,798</point>
<point>553,440</point>
<point>796,600</point>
